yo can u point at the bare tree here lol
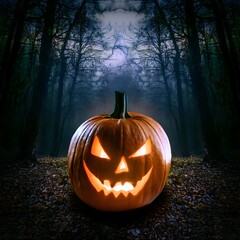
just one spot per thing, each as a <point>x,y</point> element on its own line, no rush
<point>10,54</point>
<point>211,140</point>
<point>156,33</point>
<point>27,151</point>
<point>78,18</point>
<point>231,63</point>
<point>176,66</point>
<point>81,43</point>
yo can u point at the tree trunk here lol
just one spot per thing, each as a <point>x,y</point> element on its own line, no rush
<point>200,88</point>
<point>58,115</point>
<point>176,65</point>
<point>181,112</point>
<point>7,72</point>
<point>10,54</point>
<point>56,141</point>
<point>169,100</point>
<point>27,151</point>
<point>232,64</point>
<point>70,101</point>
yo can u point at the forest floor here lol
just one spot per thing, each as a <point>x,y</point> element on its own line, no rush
<point>199,201</point>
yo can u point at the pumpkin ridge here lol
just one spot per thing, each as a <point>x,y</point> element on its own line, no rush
<point>75,140</point>
<point>162,144</point>
<point>77,163</point>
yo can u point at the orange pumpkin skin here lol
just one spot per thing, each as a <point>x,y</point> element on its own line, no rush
<point>119,138</point>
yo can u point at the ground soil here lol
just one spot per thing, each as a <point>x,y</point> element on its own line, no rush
<point>200,201</point>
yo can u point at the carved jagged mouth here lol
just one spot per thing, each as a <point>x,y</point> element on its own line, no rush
<point>118,188</point>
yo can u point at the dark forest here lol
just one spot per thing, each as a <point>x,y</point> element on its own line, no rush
<point>178,61</point>
<point>62,61</point>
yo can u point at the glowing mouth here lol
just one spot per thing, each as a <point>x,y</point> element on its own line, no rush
<point>118,188</point>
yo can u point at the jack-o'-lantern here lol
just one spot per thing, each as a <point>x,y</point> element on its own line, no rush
<point>119,161</point>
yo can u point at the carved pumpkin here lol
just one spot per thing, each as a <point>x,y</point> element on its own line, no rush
<point>119,161</point>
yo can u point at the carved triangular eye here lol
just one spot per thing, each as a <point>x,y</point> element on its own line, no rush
<point>144,150</point>
<point>97,149</point>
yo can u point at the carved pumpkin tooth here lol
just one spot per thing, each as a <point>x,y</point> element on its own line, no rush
<point>128,186</point>
<point>116,193</point>
<point>117,187</point>
<point>106,184</point>
<point>125,193</point>
<point>106,191</point>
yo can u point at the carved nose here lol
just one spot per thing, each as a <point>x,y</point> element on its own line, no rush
<point>122,166</point>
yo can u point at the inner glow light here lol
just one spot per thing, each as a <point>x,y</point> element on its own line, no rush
<point>97,149</point>
<point>122,167</point>
<point>118,188</point>
<point>144,150</point>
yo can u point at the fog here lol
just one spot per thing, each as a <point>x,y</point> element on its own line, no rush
<point>121,67</point>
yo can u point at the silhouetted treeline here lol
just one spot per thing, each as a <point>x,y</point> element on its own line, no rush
<point>181,65</point>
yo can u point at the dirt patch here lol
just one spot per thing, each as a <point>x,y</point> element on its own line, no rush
<point>199,201</point>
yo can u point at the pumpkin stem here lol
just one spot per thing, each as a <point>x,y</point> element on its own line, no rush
<point>120,110</point>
